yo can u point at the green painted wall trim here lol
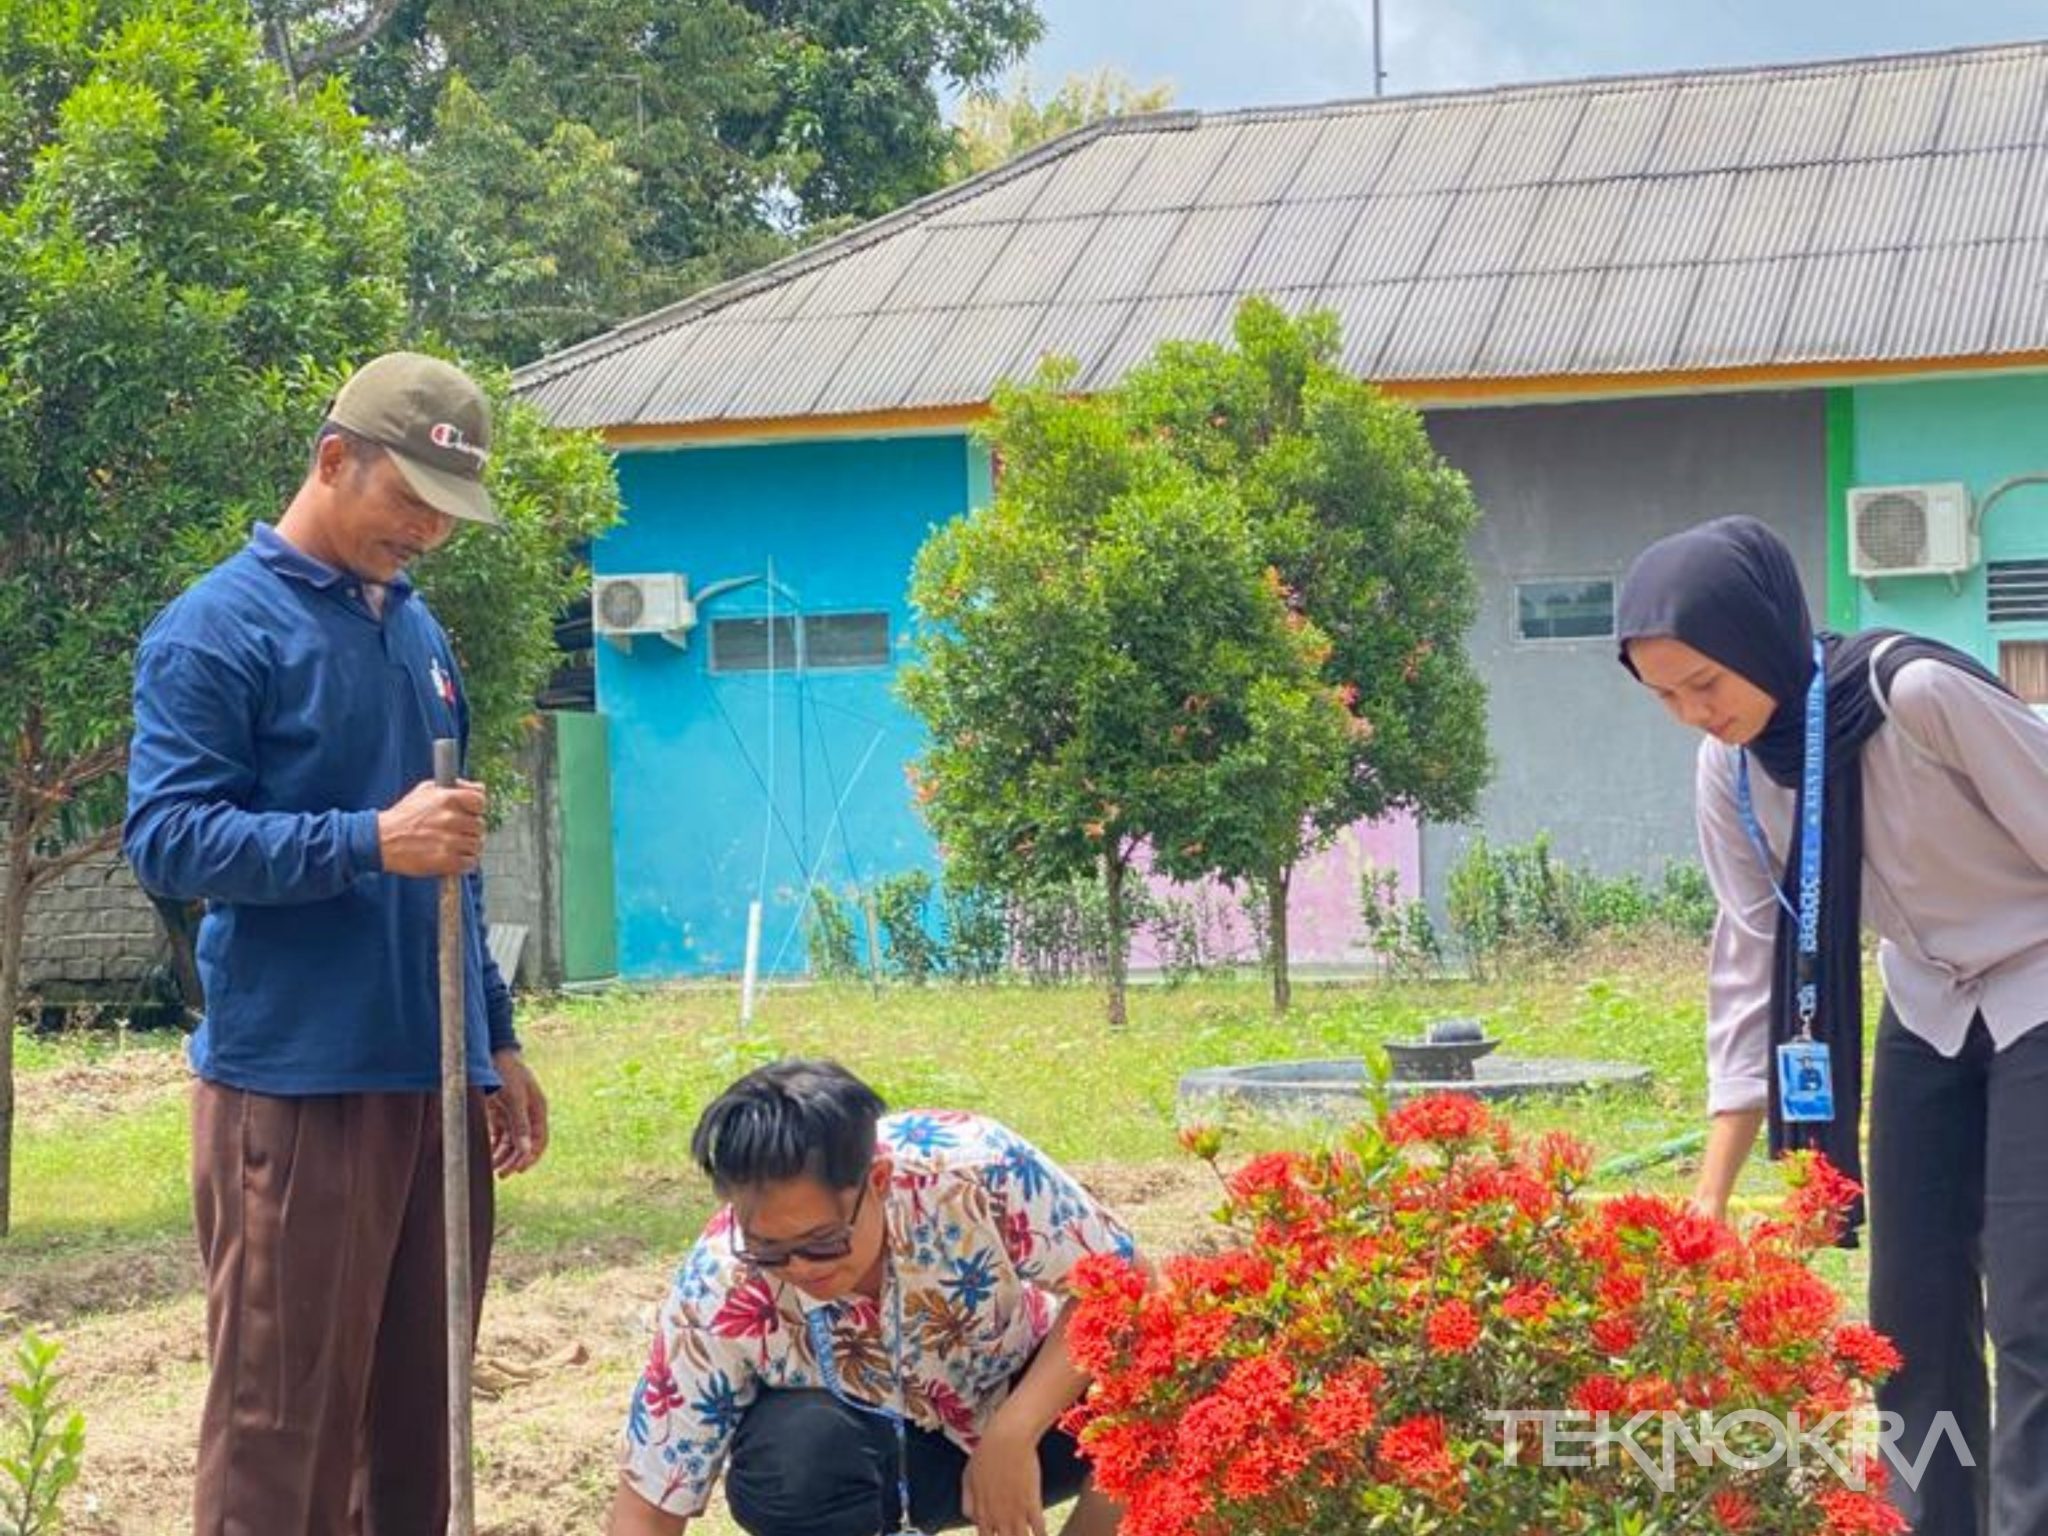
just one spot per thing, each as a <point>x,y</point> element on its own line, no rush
<point>981,476</point>
<point>1843,604</point>
<point>590,942</point>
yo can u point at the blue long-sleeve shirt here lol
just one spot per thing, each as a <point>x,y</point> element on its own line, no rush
<point>275,715</point>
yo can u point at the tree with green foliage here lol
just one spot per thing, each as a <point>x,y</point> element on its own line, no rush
<point>190,257</point>
<point>520,246</point>
<point>856,103</point>
<point>582,161</point>
<point>1366,526</point>
<point>1106,668</point>
<point>994,128</point>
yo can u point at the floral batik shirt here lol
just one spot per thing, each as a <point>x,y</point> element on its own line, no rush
<point>983,1231</point>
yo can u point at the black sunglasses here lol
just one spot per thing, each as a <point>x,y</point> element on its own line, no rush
<point>825,1249</point>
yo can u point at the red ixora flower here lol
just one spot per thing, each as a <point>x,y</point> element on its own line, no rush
<point>1453,1328</point>
<point>1346,1341</point>
<point>1416,1452</point>
<point>1439,1118</point>
<point>1853,1512</point>
<point>1600,1394</point>
<point>1866,1351</point>
<point>1822,1194</point>
<point>1614,1335</point>
<point>1734,1511</point>
<point>1529,1301</point>
<point>1787,1308</point>
<point>1344,1407</point>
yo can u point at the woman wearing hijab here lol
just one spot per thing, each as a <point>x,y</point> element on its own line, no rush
<point>1932,825</point>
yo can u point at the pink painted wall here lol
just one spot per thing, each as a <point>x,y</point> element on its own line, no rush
<point>1323,906</point>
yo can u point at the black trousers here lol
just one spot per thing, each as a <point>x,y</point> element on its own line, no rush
<point>1958,1250</point>
<point>805,1464</point>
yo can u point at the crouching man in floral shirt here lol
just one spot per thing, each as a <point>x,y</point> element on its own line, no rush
<point>871,1333</point>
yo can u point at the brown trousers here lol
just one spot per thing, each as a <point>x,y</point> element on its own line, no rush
<point>320,1227</point>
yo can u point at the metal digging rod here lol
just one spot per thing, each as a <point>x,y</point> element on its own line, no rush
<point>455,1176</point>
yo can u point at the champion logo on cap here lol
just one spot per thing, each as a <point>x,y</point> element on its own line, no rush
<point>445,434</point>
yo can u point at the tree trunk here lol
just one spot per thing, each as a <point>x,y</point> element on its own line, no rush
<point>14,893</point>
<point>333,50</point>
<point>1113,872</point>
<point>1276,936</point>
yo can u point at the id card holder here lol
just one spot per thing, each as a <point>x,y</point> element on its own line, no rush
<point>1806,1082</point>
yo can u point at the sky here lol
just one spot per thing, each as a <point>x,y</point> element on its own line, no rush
<point>1220,54</point>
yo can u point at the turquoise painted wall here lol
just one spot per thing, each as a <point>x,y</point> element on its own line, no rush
<point>708,770</point>
<point>1979,431</point>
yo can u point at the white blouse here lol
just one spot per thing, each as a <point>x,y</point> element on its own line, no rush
<point>1955,875</point>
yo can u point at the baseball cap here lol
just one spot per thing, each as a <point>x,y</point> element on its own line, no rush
<point>435,422</point>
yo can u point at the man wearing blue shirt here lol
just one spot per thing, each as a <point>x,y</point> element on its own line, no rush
<point>281,770</point>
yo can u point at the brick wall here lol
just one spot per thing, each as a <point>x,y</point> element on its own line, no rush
<point>91,936</point>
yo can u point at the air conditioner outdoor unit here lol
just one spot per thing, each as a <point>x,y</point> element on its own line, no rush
<point>1911,530</point>
<point>655,604</point>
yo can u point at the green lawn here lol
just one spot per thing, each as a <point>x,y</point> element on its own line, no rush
<point>628,1071</point>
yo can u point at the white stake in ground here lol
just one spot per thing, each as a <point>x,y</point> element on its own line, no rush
<point>753,969</point>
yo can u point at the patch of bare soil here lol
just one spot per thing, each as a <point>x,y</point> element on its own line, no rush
<point>1168,1205</point>
<point>119,1082</point>
<point>559,1356</point>
<point>49,1294</point>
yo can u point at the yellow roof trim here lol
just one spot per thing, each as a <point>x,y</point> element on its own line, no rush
<point>690,434</point>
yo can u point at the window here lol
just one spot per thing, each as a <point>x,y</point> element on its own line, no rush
<point>825,642</point>
<point>833,640</point>
<point>744,645</point>
<point>2023,664</point>
<point>1564,610</point>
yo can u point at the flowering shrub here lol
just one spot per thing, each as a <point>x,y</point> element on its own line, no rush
<point>1400,1323</point>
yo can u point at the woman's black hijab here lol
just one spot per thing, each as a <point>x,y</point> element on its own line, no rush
<point>1731,590</point>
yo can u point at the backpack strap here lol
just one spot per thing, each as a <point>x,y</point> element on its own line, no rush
<point>1881,691</point>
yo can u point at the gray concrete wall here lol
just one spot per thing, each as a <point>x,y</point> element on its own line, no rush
<point>522,858</point>
<point>1578,491</point>
<point>91,936</point>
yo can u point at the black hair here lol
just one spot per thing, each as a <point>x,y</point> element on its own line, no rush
<point>789,1120</point>
<point>360,448</point>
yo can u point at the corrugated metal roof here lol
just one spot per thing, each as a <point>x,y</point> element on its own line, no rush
<point>1526,141</point>
<point>1298,248</point>
<point>1392,238</point>
<point>1210,251</point>
<point>1833,299</point>
<point>1118,262</point>
<point>2025,310</point>
<point>1089,181</point>
<point>1617,134</point>
<point>1542,315</point>
<point>1369,314</point>
<point>1033,267</point>
<point>1635,326</point>
<point>1836,213</point>
<point>861,283</point>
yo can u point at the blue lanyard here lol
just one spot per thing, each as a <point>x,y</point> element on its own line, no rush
<point>819,1327</point>
<point>1812,801</point>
